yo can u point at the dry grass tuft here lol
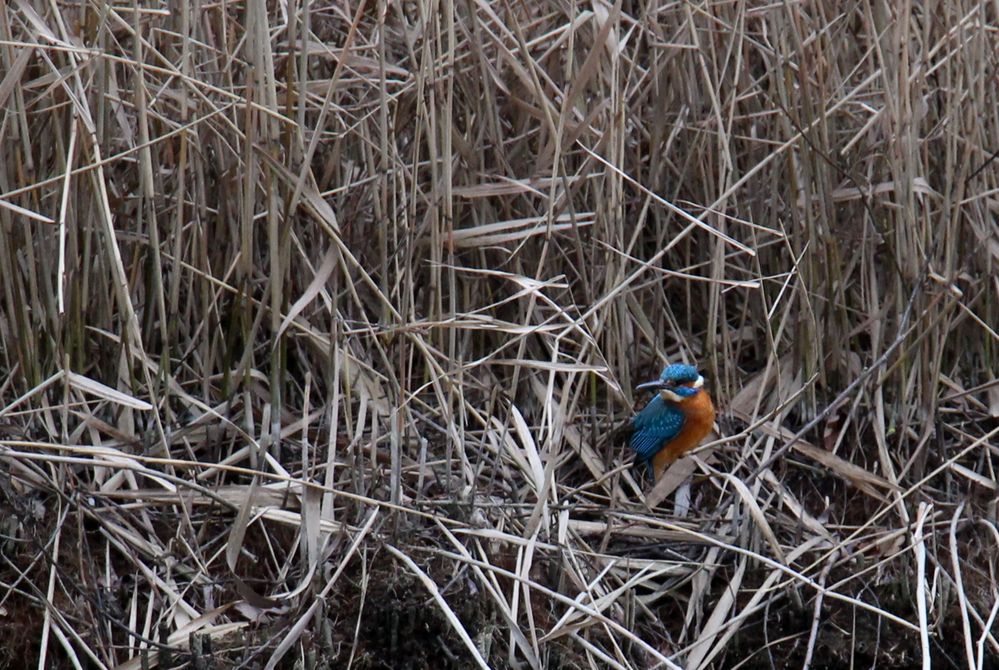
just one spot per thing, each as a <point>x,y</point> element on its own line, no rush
<point>314,316</point>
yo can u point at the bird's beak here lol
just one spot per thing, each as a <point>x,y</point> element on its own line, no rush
<point>654,384</point>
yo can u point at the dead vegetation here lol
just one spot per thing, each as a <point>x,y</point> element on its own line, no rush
<point>315,319</point>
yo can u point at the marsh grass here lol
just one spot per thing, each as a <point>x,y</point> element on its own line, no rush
<point>316,318</point>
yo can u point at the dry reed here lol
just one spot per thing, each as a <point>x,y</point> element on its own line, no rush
<point>315,316</point>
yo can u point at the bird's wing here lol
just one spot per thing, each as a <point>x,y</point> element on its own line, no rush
<point>658,423</point>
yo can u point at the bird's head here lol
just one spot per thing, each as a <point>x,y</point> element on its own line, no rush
<point>677,383</point>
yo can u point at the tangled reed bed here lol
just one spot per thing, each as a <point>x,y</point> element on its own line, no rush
<point>316,319</point>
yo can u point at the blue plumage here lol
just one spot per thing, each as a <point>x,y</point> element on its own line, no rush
<point>655,425</point>
<point>679,373</point>
<point>674,421</point>
<point>661,421</point>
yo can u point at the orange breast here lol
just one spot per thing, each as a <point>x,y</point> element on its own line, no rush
<point>700,413</point>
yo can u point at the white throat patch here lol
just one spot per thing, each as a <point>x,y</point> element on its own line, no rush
<point>669,395</point>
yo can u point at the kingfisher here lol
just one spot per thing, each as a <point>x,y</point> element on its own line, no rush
<point>675,421</point>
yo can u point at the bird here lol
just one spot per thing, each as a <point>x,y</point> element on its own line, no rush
<point>674,421</point>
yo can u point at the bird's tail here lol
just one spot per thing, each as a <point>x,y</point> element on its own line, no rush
<point>641,467</point>
<point>620,437</point>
